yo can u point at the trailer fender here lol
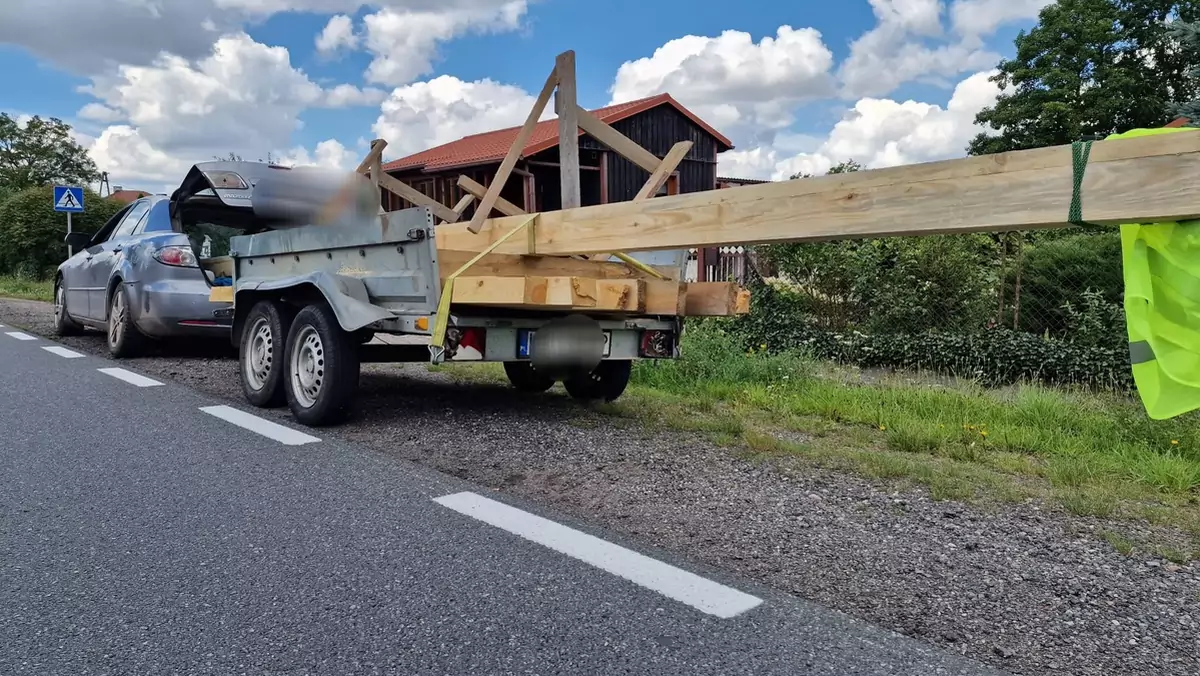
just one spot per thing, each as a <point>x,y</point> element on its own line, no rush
<point>347,296</point>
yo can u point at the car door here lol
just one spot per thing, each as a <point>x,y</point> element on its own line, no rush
<point>102,257</point>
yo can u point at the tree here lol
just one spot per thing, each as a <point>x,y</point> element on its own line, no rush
<point>41,152</point>
<point>32,232</point>
<point>1188,35</point>
<point>1090,68</point>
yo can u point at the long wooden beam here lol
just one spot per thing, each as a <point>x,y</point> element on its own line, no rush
<point>1143,179</point>
<point>514,152</point>
<point>473,187</point>
<point>568,131</point>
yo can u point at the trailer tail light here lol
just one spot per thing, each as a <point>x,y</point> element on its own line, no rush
<point>657,344</point>
<point>472,345</point>
<point>179,256</point>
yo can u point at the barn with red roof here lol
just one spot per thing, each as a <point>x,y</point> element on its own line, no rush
<point>656,123</point>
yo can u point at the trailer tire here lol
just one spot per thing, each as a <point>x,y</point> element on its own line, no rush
<point>607,381</point>
<point>322,367</point>
<point>261,362</point>
<point>525,378</point>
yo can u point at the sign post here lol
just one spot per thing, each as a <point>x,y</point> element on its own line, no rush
<point>68,198</point>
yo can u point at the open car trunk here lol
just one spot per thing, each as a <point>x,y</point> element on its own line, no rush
<point>214,203</point>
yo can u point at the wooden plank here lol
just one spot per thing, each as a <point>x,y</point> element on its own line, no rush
<point>514,151</point>
<point>511,265</point>
<point>376,177</point>
<point>417,197</point>
<point>568,131</point>
<point>463,204</point>
<point>711,299</point>
<point>377,147</point>
<point>1143,179</point>
<point>558,292</point>
<point>663,172</point>
<point>666,297</point>
<point>478,190</point>
<point>616,140</point>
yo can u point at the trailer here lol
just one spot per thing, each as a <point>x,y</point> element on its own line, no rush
<point>556,296</point>
<point>311,302</point>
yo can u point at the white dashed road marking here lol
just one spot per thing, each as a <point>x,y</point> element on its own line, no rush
<point>63,352</point>
<point>698,592</point>
<point>284,435</point>
<point>20,336</point>
<point>130,377</point>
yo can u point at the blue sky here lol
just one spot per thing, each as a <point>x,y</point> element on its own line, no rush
<point>45,74</point>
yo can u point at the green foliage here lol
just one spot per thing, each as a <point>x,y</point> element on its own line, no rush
<point>1057,272</point>
<point>1090,67</point>
<point>990,356</point>
<point>39,153</point>
<point>31,232</point>
<point>1096,322</point>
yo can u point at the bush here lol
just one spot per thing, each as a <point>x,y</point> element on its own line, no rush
<point>31,232</point>
<point>1057,271</point>
<point>891,284</point>
<point>991,356</point>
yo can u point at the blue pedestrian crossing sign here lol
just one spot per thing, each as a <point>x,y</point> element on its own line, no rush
<point>68,198</point>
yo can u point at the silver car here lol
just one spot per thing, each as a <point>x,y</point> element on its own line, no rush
<point>149,272</point>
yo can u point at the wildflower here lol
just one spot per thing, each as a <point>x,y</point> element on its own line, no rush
<point>983,433</point>
<point>883,427</point>
<point>1174,442</point>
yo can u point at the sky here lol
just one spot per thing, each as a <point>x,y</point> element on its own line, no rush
<point>153,86</point>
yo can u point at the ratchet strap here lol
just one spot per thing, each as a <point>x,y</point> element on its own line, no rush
<point>442,320</point>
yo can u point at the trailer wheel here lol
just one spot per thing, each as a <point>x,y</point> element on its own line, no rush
<point>525,378</point>
<point>260,354</point>
<point>607,381</point>
<point>322,367</point>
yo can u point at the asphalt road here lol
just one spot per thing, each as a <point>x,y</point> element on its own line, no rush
<point>141,532</point>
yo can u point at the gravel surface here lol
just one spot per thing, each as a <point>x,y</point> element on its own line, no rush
<point>1026,590</point>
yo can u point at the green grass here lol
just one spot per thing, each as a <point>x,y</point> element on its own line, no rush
<point>20,287</point>
<point>1091,454</point>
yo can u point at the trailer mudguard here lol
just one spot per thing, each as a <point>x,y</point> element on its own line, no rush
<point>346,295</point>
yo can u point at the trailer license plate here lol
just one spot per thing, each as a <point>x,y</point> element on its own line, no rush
<point>525,339</point>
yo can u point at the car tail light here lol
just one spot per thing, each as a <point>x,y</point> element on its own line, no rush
<point>180,256</point>
<point>657,344</point>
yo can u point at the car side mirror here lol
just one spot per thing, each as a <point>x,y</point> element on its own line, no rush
<point>78,240</point>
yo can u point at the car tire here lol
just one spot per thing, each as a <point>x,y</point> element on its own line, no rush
<point>606,382</point>
<point>63,324</point>
<point>261,362</point>
<point>525,378</point>
<point>322,368</point>
<point>123,337</point>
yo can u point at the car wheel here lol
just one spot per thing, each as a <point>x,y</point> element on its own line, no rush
<point>124,339</point>
<point>607,381</point>
<point>525,378</point>
<point>322,367</point>
<point>260,354</point>
<point>63,324</point>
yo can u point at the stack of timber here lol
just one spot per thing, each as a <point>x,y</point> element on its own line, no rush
<point>555,263</point>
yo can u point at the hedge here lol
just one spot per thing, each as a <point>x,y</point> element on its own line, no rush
<point>994,356</point>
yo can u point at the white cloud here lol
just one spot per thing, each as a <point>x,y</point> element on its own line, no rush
<point>329,153</point>
<point>896,50</point>
<point>346,95</point>
<point>730,80</point>
<point>444,109</point>
<point>93,36</point>
<point>404,41</point>
<point>337,34</point>
<point>982,17</point>
<point>243,97</point>
<point>878,133</point>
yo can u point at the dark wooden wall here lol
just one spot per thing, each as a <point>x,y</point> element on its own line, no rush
<point>656,130</point>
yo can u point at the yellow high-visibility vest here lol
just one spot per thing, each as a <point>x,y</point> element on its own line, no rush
<point>1161,265</point>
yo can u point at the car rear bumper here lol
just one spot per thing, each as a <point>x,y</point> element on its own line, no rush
<point>175,307</point>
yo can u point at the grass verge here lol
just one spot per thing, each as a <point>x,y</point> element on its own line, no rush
<point>27,289</point>
<point>1089,454</point>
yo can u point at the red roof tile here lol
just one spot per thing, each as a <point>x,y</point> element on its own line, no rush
<point>127,196</point>
<point>492,146</point>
